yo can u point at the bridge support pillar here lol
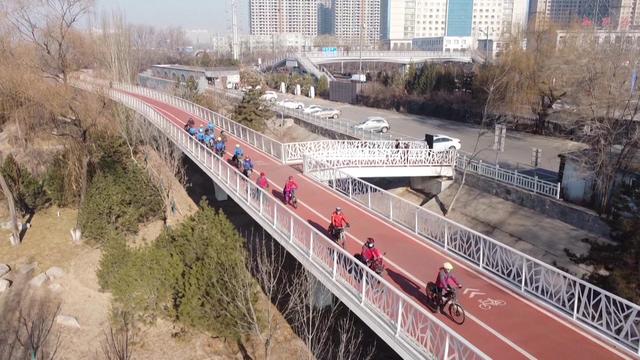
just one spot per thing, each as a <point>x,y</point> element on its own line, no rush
<point>322,297</point>
<point>219,193</point>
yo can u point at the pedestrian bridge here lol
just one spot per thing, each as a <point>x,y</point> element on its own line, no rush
<point>517,306</point>
<point>396,57</point>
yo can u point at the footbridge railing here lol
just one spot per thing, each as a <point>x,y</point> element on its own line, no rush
<point>597,309</point>
<point>387,158</point>
<point>410,329</point>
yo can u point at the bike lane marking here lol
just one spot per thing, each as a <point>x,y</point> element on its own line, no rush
<point>421,242</point>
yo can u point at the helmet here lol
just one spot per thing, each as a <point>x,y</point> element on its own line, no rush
<point>290,177</point>
<point>201,130</point>
<point>370,243</point>
<point>447,266</point>
<point>338,208</point>
<point>262,174</point>
<point>219,138</point>
<point>237,145</point>
<point>247,159</point>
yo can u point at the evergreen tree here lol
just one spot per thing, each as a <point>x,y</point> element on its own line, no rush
<point>252,111</point>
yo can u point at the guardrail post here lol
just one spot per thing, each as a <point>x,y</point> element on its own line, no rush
<point>275,217</point>
<point>446,347</point>
<point>399,322</point>
<point>446,236</point>
<point>575,301</point>
<point>311,245</point>
<point>416,227</point>
<point>535,184</point>
<point>391,209</point>
<point>558,191</point>
<point>524,273</point>
<point>481,255</point>
<point>261,202</point>
<point>335,264</point>
<point>364,285</point>
<point>350,187</point>
<point>291,230</point>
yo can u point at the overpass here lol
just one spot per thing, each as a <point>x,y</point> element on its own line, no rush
<point>312,61</point>
<point>517,306</point>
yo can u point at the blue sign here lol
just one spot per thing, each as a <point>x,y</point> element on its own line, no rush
<point>330,51</point>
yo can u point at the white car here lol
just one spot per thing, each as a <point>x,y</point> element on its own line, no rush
<point>269,96</point>
<point>290,104</point>
<point>328,113</point>
<point>443,142</point>
<point>312,109</point>
<point>374,123</point>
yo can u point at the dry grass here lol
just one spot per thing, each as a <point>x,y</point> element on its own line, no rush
<point>47,242</point>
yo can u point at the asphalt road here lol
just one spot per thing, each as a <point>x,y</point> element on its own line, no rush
<point>518,145</point>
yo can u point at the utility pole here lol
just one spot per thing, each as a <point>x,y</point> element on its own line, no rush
<point>362,12</point>
<point>234,25</point>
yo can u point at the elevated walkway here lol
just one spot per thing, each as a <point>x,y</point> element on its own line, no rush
<point>542,313</point>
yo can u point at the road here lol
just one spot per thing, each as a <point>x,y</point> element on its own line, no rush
<point>500,322</point>
<point>518,145</point>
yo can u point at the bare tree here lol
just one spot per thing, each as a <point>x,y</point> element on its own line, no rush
<point>351,343</point>
<point>117,343</point>
<point>493,85</point>
<point>14,238</point>
<point>49,26</point>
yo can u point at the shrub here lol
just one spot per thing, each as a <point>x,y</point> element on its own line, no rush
<point>117,201</point>
<point>179,275</point>
<point>29,192</point>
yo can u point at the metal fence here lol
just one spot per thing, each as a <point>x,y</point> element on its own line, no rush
<point>294,152</point>
<point>385,158</point>
<point>413,331</point>
<point>600,310</point>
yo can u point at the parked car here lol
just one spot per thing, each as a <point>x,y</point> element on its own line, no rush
<point>312,109</point>
<point>443,142</point>
<point>328,113</point>
<point>290,104</point>
<point>374,123</point>
<point>269,96</point>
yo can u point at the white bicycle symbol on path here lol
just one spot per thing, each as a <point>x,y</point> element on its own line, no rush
<point>487,304</point>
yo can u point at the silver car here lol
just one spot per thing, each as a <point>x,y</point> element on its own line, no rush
<point>328,113</point>
<point>374,123</point>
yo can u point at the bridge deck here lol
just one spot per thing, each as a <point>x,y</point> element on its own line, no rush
<point>517,329</point>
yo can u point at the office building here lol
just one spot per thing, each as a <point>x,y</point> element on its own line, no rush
<point>325,17</point>
<point>268,17</point>
<point>431,19</point>
<point>355,17</point>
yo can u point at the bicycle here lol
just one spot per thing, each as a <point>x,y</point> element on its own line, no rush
<point>454,309</point>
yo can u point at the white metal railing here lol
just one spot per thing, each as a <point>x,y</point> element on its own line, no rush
<point>294,152</point>
<point>506,176</point>
<point>609,314</point>
<point>387,309</point>
<point>588,304</point>
<point>387,54</point>
<point>385,158</point>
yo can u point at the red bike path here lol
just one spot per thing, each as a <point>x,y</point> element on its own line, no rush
<point>519,328</point>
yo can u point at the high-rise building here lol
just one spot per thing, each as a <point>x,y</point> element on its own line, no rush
<point>624,14</point>
<point>561,13</point>
<point>410,19</point>
<point>356,17</point>
<point>268,17</point>
<point>325,17</point>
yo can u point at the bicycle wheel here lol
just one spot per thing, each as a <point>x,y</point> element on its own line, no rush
<point>456,312</point>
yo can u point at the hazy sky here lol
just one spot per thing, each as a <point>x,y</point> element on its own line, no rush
<point>214,15</point>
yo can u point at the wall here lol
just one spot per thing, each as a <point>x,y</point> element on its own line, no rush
<point>568,213</point>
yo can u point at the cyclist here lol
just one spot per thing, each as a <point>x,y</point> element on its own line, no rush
<point>289,190</point>
<point>207,138</point>
<point>211,127</point>
<point>238,153</point>
<point>220,147</point>
<point>223,135</point>
<point>262,181</point>
<point>200,135</point>
<point>369,252</point>
<point>338,223</point>
<point>193,131</point>
<point>247,166</point>
<point>190,123</point>
<point>445,281</point>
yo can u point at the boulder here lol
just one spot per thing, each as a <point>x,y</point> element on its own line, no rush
<point>54,272</point>
<point>4,285</point>
<point>26,268</point>
<point>68,321</point>
<point>4,269</point>
<point>38,280</point>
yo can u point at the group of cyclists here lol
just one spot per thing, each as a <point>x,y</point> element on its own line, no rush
<point>445,282</point>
